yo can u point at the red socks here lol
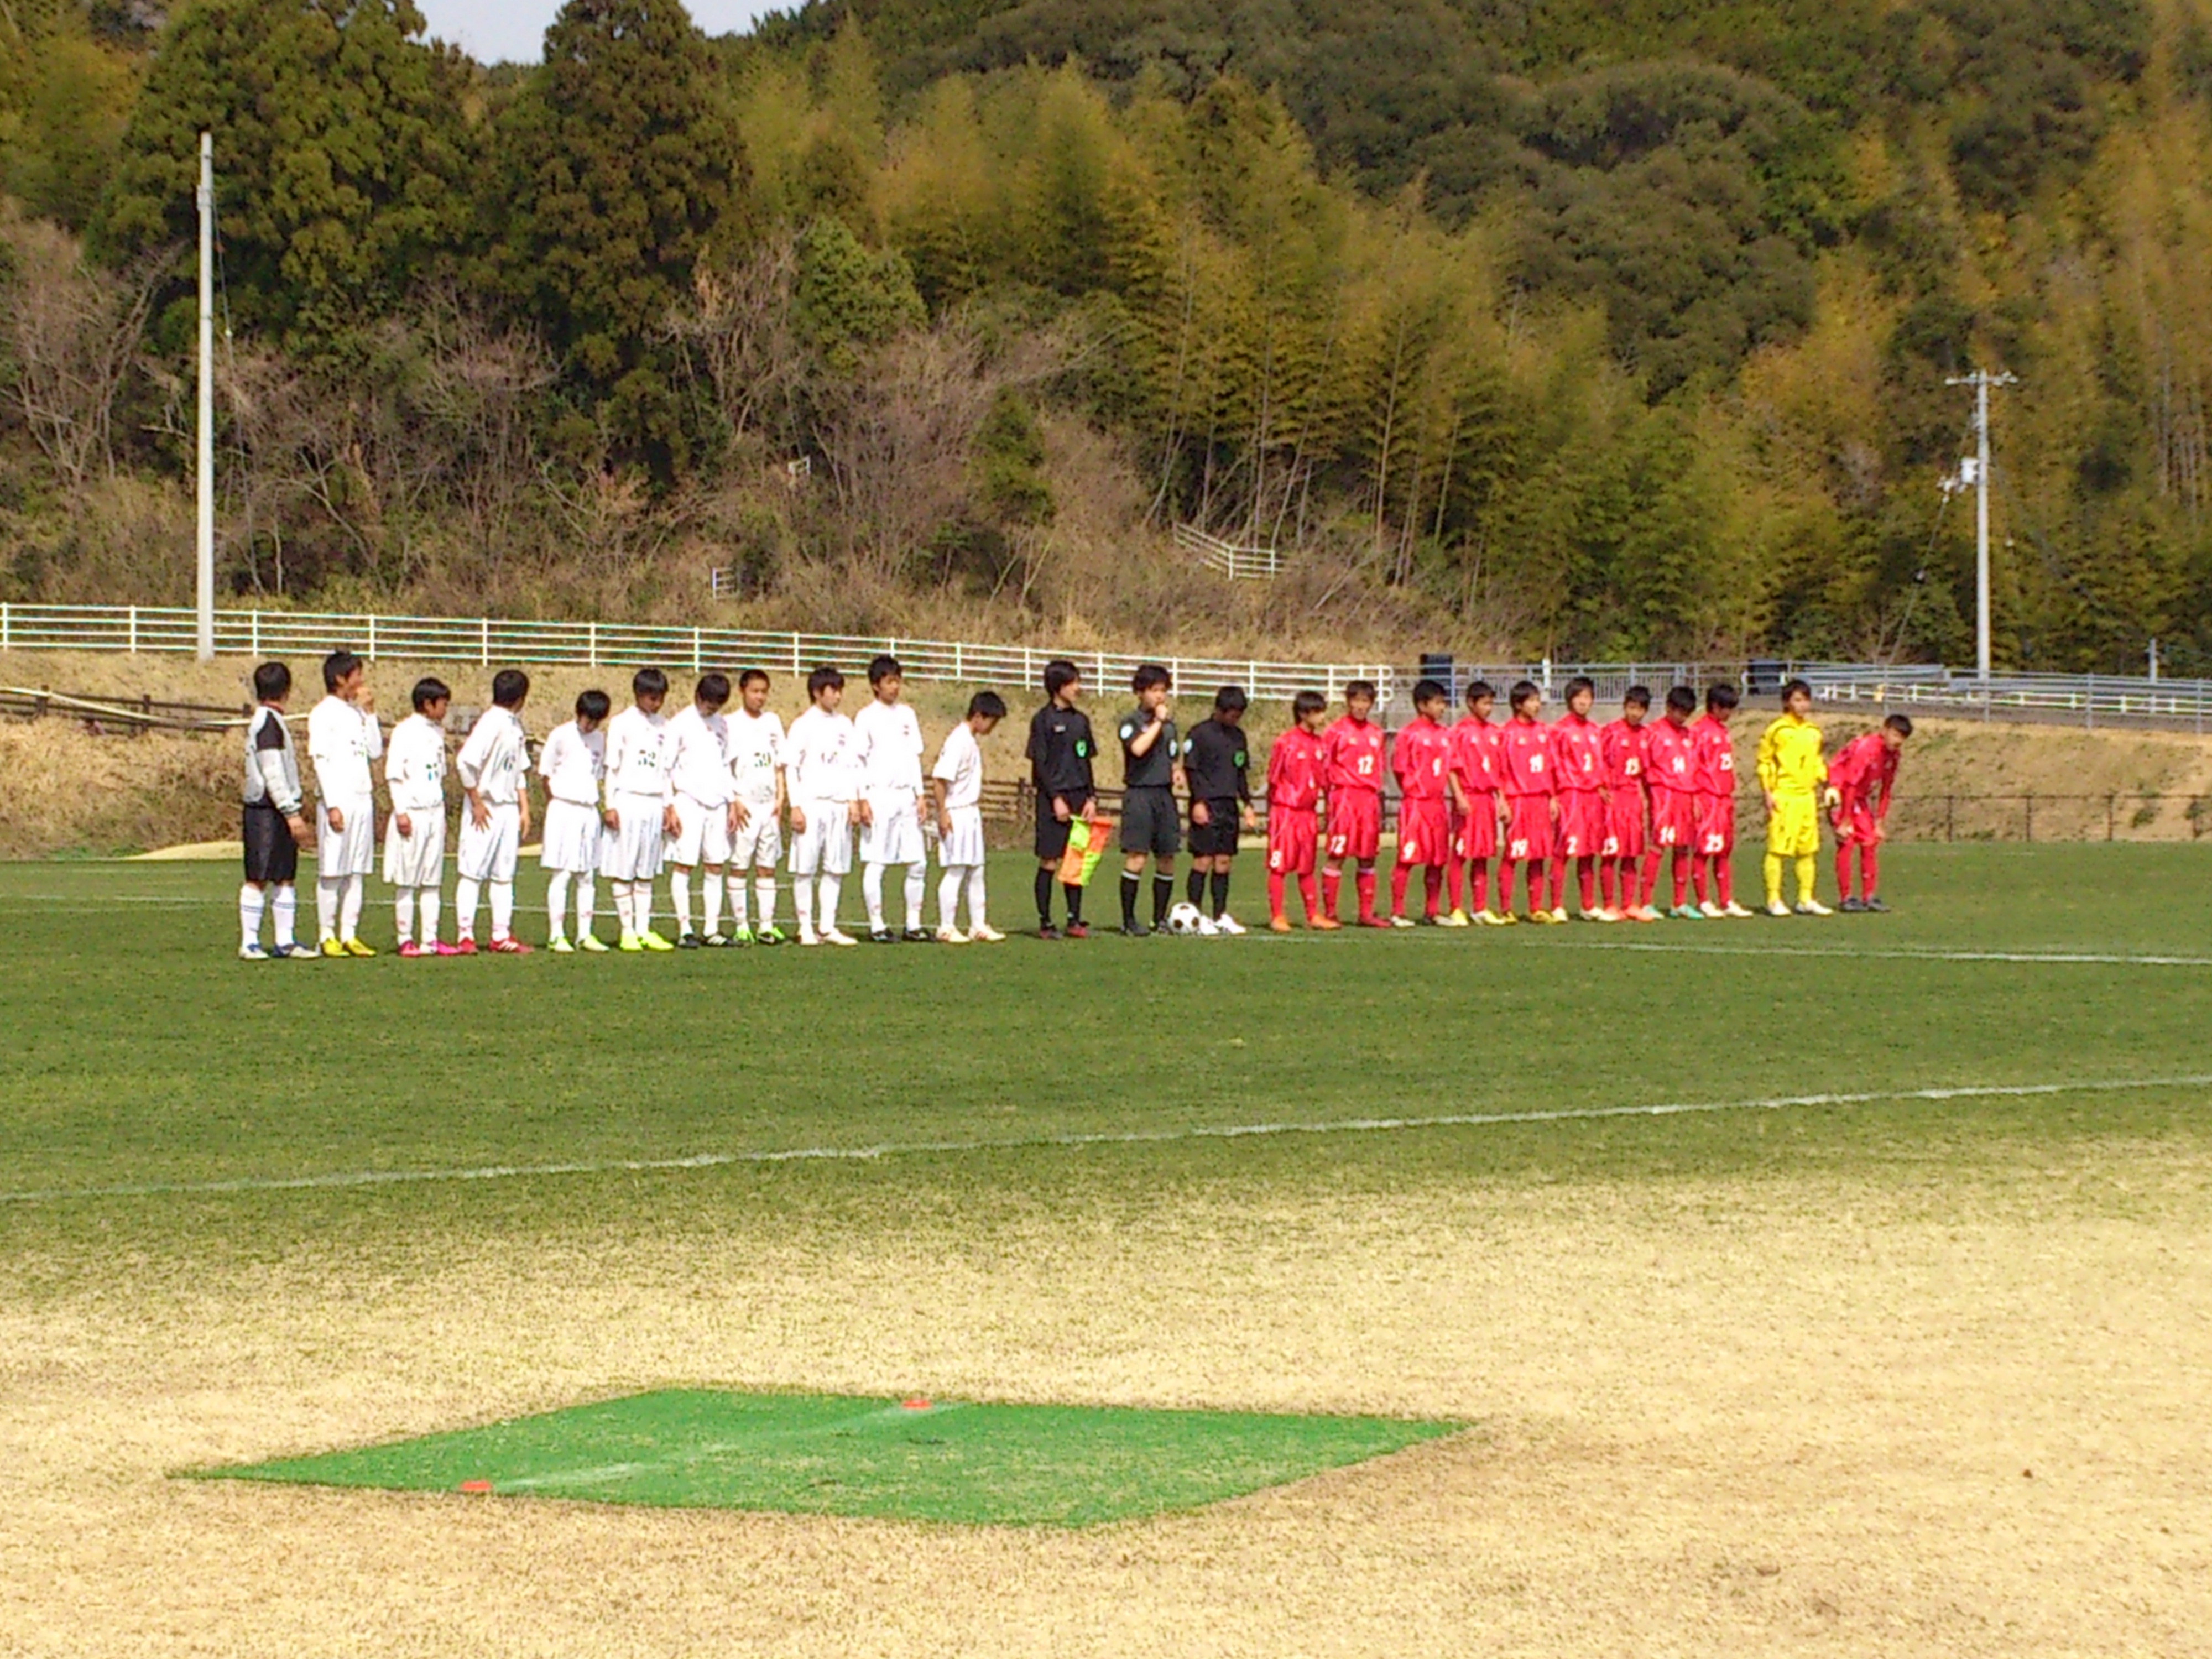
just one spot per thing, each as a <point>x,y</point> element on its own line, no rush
<point>1842,869</point>
<point>1306,894</point>
<point>1432,887</point>
<point>1478,884</point>
<point>1696,878</point>
<point>1275,896</point>
<point>1586,883</point>
<point>1869,869</point>
<point>1367,887</point>
<point>1455,876</point>
<point>1398,874</point>
<point>1683,866</point>
<point>1332,887</point>
<point>1724,882</point>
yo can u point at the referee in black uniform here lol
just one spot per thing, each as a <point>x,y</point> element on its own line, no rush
<point>1151,768</point>
<point>1060,754</point>
<point>1215,758</point>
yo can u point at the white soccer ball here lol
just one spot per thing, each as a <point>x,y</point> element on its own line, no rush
<point>1184,919</point>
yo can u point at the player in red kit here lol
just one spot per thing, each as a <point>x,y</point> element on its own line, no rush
<point>1715,770</point>
<point>1475,779</point>
<point>1670,774</point>
<point>1627,747</point>
<point>1525,769</point>
<point>1578,767</point>
<point>1353,784</point>
<point>1863,774</point>
<point>1419,760</point>
<point>1295,768</point>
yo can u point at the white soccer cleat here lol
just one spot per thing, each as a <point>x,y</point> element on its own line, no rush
<point>1559,913</point>
<point>1711,912</point>
<point>1207,927</point>
<point>838,936</point>
<point>252,951</point>
<point>1812,906</point>
<point>1737,911</point>
<point>1229,925</point>
<point>1776,907</point>
<point>1608,914</point>
<point>808,936</point>
<point>981,934</point>
<point>950,936</point>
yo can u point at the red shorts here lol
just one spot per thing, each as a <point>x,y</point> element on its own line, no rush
<point>1474,835</point>
<point>1529,829</point>
<point>1624,823</point>
<point>1293,840</point>
<point>1716,825</point>
<point>1582,824</point>
<point>1355,824</point>
<point>1674,818</point>
<point>1855,821</point>
<point>1423,832</point>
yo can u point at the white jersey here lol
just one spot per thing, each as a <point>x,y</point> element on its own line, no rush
<point>889,736</point>
<point>637,756</point>
<point>342,741</point>
<point>699,756</point>
<point>756,749</point>
<point>821,760</point>
<point>572,762</point>
<point>495,759</point>
<point>414,766</point>
<point>272,770</point>
<point>960,764</point>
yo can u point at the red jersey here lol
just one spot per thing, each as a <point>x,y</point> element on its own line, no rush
<point>1355,756</point>
<point>1578,754</point>
<point>1477,756</point>
<point>1627,751</point>
<point>1864,768</point>
<point>1296,766</point>
<point>1419,758</point>
<point>1714,762</point>
<point>1670,757</point>
<point>1525,758</point>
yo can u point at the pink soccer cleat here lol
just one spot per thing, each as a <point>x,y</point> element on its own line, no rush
<point>509,947</point>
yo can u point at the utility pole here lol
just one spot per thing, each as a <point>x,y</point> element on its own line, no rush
<point>1981,380</point>
<point>205,501</point>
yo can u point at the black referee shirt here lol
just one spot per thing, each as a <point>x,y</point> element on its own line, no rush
<point>1060,753</point>
<point>1155,768</point>
<point>1214,760</point>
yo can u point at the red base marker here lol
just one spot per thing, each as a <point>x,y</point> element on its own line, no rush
<point>475,1485</point>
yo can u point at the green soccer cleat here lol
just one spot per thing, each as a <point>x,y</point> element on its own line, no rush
<point>593,944</point>
<point>742,937</point>
<point>630,942</point>
<point>649,940</point>
<point>771,936</point>
<point>559,945</point>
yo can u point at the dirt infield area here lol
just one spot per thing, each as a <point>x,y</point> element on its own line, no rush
<point>1822,1415</point>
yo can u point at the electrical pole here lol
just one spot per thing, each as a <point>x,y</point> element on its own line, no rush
<point>203,595</point>
<point>1981,380</point>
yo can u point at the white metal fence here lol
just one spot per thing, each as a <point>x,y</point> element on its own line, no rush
<point>1236,562</point>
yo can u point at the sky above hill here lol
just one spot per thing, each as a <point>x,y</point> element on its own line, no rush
<point>513,31</point>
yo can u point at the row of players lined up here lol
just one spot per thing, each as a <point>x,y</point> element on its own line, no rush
<point>707,792</point>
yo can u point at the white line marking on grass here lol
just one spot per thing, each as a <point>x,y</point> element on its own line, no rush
<point>1097,1137</point>
<point>1890,953</point>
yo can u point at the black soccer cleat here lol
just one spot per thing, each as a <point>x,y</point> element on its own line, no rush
<point>882,936</point>
<point>917,936</point>
<point>689,942</point>
<point>1877,907</point>
<point>1046,930</point>
<point>1851,906</point>
<point>1136,930</point>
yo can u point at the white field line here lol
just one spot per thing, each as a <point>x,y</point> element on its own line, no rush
<point>1891,953</point>
<point>1098,1137</point>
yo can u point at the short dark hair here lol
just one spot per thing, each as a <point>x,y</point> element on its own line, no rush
<point>1059,675</point>
<point>1522,691</point>
<point>1360,689</point>
<point>337,666</point>
<point>1721,696</point>
<point>272,680</point>
<point>509,687</point>
<point>749,675</point>
<point>1430,691</point>
<point>1307,702</point>
<point>648,682</point>
<point>1231,699</point>
<point>1791,688</point>
<point>1577,686</point>
<point>1900,724</point>
<point>821,677</point>
<point>1148,675</point>
<point>881,668</point>
<point>1478,689</point>
<point>1637,696</point>
<point>714,688</point>
<point>988,704</point>
<point>1682,700</point>
<point>428,691</point>
<point>593,705</point>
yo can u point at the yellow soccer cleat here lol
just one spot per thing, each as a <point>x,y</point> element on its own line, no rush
<point>1457,918</point>
<point>649,940</point>
<point>1492,919</point>
<point>630,942</point>
<point>592,943</point>
<point>330,947</point>
<point>354,947</point>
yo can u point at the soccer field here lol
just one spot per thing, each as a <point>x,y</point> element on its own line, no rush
<point>1837,1284</point>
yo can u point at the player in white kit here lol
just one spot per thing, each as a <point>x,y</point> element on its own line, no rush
<point>414,833</point>
<point>342,739</point>
<point>957,782</point>
<point>494,766</point>
<point>699,781</point>
<point>823,772</point>
<point>572,762</point>
<point>639,815</point>
<point>756,746</point>
<point>890,810</point>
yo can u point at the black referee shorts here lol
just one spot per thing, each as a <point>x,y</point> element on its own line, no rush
<point>1051,833</point>
<point>1217,839</point>
<point>271,854</point>
<point>1149,823</point>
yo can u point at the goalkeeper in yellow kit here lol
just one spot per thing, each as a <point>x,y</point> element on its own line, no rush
<point>1795,778</point>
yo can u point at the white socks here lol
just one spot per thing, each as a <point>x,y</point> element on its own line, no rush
<point>251,903</point>
<point>350,908</point>
<point>872,891</point>
<point>765,897</point>
<point>679,898</point>
<point>977,908</point>
<point>917,882</point>
<point>624,915</point>
<point>468,895</point>
<point>502,910</point>
<point>327,889</point>
<point>832,888</point>
<point>711,901</point>
<point>556,902</point>
<point>282,909</point>
<point>586,894</point>
<point>640,906</point>
<point>948,886</point>
<point>403,912</point>
<point>802,899</point>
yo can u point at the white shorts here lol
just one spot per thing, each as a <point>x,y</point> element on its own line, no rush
<point>351,852</point>
<point>893,835</point>
<point>963,849</point>
<point>633,852</point>
<point>757,844</point>
<point>704,833</point>
<point>419,859</point>
<point>572,837</point>
<point>489,855</point>
<point>824,848</point>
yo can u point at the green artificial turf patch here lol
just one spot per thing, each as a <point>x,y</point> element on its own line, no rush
<point>984,1465</point>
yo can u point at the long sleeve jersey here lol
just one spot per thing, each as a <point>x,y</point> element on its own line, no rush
<point>698,747</point>
<point>414,766</point>
<point>272,769</point>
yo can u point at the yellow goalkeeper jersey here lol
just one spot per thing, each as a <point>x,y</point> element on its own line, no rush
<point>1790,762</point>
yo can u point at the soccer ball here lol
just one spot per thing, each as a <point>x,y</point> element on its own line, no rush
<point>1184,919</point>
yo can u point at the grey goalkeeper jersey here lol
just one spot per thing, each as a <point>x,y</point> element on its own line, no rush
<point>272,771</point>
